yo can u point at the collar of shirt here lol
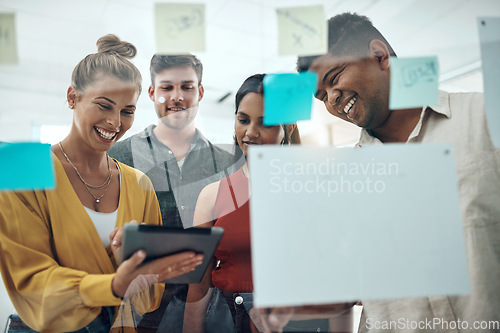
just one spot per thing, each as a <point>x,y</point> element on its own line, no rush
<point>199,139</point>
<point>198,142</point>
<point>442,107</point>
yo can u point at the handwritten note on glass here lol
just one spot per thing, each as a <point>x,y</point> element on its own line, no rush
<point>180,28</point>
<point>414,82</point>
<point>288,97</point>
<point>302,30</point>
<point>17,171</point>
<point>8,45</point>
<point>489,28</point>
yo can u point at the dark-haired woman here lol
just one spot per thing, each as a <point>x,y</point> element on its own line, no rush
<point>228,287</point>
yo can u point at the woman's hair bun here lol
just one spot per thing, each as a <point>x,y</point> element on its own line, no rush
<point>111,43</point>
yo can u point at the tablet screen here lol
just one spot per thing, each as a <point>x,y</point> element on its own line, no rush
<point>159,241</point>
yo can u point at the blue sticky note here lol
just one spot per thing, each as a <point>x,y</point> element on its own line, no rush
<point>288,97</point>
<point>489,28</point>
<point>414,82</point>
<point>26,166</point>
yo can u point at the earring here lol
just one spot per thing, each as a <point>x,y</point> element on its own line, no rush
<point>235,139</point>
<point>287,141</point>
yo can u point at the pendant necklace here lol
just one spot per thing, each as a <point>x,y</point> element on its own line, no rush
<point>87,185</point>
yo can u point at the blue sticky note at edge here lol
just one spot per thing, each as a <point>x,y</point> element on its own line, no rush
<point>26,166</point>
<point>490,48</point>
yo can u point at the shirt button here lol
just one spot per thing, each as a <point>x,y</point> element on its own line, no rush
<point>170,152</point>
<point>238,300</point>
<point>182,207</point>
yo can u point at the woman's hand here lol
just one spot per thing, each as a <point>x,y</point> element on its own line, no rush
<point>115,238</point>
<point>274,319</point>
<point>162,268</point>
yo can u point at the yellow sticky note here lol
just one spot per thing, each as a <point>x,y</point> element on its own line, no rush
<point>180,28</point>
<point>302,30</point>
<point>8,45</point>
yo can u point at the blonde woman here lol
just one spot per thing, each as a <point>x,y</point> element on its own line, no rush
<point>57,257</point>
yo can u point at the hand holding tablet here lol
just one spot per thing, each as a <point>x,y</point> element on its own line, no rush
<point>160,241</point>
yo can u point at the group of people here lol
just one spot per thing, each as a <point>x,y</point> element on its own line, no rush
<point>59,255</point>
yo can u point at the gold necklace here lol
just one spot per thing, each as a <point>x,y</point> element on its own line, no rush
<point>106,182</point>
<point>87,185</point>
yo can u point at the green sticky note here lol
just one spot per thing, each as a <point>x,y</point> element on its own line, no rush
<point>414,82</point>
<point>8,44</point>
<point>302,30</point>
<point>288,97</point>
<point>26,166</point>
<point>180,27</point>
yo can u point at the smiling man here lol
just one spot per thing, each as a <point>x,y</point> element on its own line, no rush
<point>177,158</point>
<point>353,83</point>
<point>174,154</point>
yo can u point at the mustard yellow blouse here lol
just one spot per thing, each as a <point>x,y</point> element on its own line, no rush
<point>54,266</point>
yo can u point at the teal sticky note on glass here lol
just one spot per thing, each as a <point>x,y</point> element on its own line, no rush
<point>414,82</point>
<point>26,166</point>
<point>288,97</point>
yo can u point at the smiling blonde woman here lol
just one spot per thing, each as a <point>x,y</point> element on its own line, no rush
<point>59,250</point>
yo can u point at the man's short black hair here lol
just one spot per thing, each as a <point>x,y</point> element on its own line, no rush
<point>349,34</point>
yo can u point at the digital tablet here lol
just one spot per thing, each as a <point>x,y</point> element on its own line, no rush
<point>159,241</point>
